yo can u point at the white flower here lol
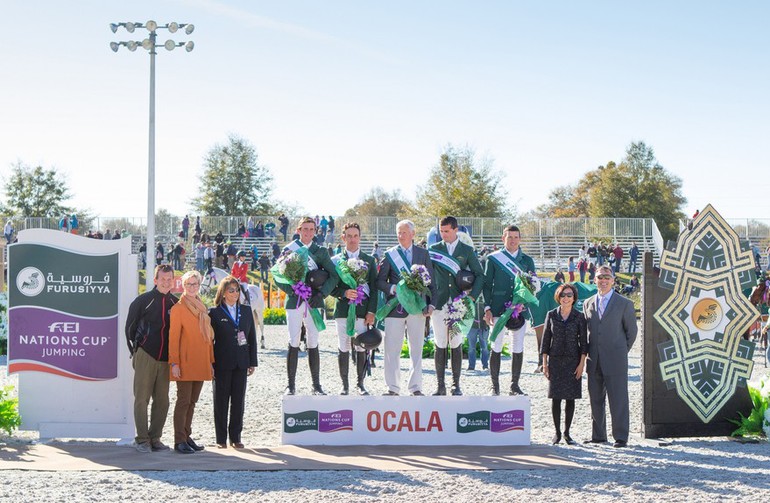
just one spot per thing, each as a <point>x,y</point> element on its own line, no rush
<point>766,424</point>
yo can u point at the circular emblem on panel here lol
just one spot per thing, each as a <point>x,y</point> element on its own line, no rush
<point>463,422</point>
<point>30,281</point>
<point>707,314</point>
<point>290,422</point>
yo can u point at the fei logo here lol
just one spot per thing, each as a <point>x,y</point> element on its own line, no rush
<point>30,281</point>
<point>496,422</point>
<point>323,422</point>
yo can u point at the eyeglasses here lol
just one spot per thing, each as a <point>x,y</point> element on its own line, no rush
<point>604,276</point>
<point>566,294</point>
<point>192,284</point>
<point>232,290</point>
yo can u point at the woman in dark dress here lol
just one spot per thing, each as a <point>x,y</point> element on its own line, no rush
<point>235,358</point>
<point>564,349</point>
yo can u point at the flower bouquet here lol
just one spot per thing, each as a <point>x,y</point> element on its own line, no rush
<point>525,288</point>
<point>291,269</point>
<point>459,315</point>
<point>409,291</point>
<point>354,272</point>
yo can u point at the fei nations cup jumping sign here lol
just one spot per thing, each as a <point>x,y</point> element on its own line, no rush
<point>63,312</point>
<point>68,298</point>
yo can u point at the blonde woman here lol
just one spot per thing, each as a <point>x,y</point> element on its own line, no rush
<point>191,357</point>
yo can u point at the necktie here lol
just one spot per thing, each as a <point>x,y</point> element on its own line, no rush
<point>408,255</point>
<point>602,306</point>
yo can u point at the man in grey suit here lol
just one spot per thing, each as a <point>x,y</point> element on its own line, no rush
<point>611,333</point>
<point>397,259</point>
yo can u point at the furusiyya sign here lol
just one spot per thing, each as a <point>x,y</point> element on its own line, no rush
<point>63,312</point>
<point>356,420</point>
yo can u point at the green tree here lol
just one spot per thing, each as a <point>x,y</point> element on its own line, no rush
<point>571,201</point>
<point>379,203</point>
<point>35,192</point>
<point>639,187</point>
<point>461,185</point>
<point>233,183</point>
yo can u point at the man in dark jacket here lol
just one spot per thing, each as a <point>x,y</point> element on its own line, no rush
<point>147,328</point>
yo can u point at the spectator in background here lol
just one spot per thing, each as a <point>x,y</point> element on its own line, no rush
<point>324,226</point>
<point>633,255</point>
<point>200,257</point>
<point>270,229</point>
<point>264,266</point>
<point>582,252</point>
<point>259,230</point>
<point>591,272</point>
<point>618,253</point>
<point>8,231</point>
<point>241,230</point>
<point>284,221</point>
<point>74,224</point>
<point>107,234</point>
<point>177,254</point>
<point>592,252</point>
<point>185,227</point>
<point>331,228</point>
<point>198,228</point>
<point>582,269</point>
<point>376,252</point>
<point>571,269</point>
<point>116,235</point>
<point>254,256</point>
<point>208,257</point>
<point>250,226</point>
<point>276,251</point>
<point>559,276</point>
<point>64,224</point>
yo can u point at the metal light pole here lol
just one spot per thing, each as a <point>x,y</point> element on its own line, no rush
<point>150,44</point>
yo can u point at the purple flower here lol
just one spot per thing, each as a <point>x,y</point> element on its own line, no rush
<point>360,297</point>
<point>301,290</point>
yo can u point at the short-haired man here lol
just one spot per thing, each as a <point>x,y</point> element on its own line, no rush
<point>398,259</point>
<point>365,307</point>
<point>147,326</point>
<point>449,257</point>
<point>499,279</point>
<point>611,333</point>
<point>298,314</point>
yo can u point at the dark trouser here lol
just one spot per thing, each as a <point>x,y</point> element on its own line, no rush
<point>613,388</point>
<point>264,272</point>
<point>229,393</point>
<point>187,393</point>
<point>150,382</point>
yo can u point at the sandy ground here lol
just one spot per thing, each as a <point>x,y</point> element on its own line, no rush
<point>697,469</point>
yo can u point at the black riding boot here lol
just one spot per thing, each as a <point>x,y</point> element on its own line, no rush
<point>494,372</point>
<point>457,367</point>
<point>361,361</point>
<point>343,358</point>
<point>291,369</point>
<point>517,359</point>
<point>314,359</point>
<point>440,359</point>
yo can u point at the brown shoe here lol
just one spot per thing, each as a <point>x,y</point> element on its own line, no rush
<point>236,445</point>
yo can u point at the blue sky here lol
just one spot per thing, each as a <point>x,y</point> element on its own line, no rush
<point>340,96</point>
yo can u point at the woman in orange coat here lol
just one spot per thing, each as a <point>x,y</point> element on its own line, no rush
<point>191,355</point>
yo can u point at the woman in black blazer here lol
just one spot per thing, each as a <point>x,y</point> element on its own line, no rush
<point>564,349</point>
<point>235,358</point>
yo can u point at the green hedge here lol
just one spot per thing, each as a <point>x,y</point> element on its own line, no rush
<point>9,411</point>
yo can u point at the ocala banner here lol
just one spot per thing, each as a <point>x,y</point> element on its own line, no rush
<point>427,420</point>
<point>63,312</point>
